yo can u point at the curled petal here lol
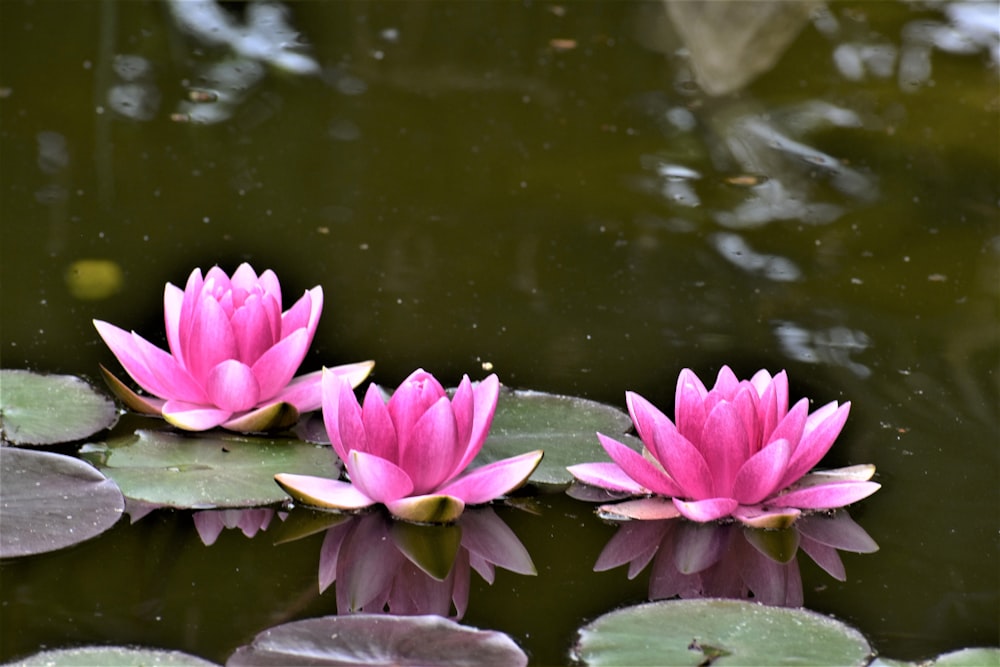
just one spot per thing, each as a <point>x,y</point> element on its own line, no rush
<point>271,417</point>
<point>380,434</point>
<point>377,478</point>
<point>821,429</point>
<point>340,405</point>
<point>304,314</point>
<point>607,476</point>
<point>173,304</point>
<point>434,508</point>
<point>484,404</point>
<point>493,480</point>
<point>689,407</point>
<point>193,417</point>
<point>709,509</point>
<point>275,367</point>
<point>210,341</point>
<point>132,400</point>
<point>323,492</point>
<point>646,417</point>
<point>252,329</point>
<point>431,453</point>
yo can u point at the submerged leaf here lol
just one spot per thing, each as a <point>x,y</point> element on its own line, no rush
<point>38,409</point>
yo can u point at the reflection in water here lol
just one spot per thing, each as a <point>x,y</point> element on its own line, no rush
<point>210,523</point>
<point>389,566</point>
<point>831,346</point>
<point>691,560</point>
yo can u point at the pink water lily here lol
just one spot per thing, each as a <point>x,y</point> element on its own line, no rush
<point>411,453</point>
<point>232,355</point>
<point>734,451</point>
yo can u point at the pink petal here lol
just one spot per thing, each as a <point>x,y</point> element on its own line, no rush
<point>724,445</point>
<point>821,430</point>
<point>485,394</point>
<point>726,383</point>
<point>232,386</point>
<point>709,509</point>
<point>464,406</point>
<point>430,454</point>
<point>210,340</point>
<point>304,314</point>
<point>646,417</point>
<point>274,369</point>
<point>340,404</point>
<point>173,303</point>
<point>268,281</point>
<point>192,417</point>
<point>410,400</point>
<point>377,478</point>
<point>323,492</point>
<point>170,374</point>
<point>689,408</point>
<point>132,400</point>
<point>252,330</point>
<point>435,508</point>
<point>683,462</point>
<point>746,406</point>
<point>826,496</point>
<point>791,426</point>
<point>493,480</point>
<point>638,468</point>
<point>304,392</point>
<point>759,476</point>
<point>379,430</point>
<point>606,476</point>
<point>192,294</point>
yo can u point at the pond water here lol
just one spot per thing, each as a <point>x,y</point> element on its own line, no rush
<point>545,190</point>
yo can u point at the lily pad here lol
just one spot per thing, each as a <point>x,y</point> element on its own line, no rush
<point>206,470</point>
<point>50,501</point>
<point>374,639</point>
<point>719,632</point>
<point>111,656</point>
<point>38,409</point>
<point>564,427</point>
<point>969,657</point>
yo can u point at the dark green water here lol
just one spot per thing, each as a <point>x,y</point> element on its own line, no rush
<point>469,191</point>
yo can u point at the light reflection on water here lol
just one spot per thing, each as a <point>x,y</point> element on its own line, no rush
<point>575,213</point>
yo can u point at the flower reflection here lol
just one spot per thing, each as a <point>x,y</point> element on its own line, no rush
<point>210,523</point>
<point>691,560</point>
<point>381,565</point>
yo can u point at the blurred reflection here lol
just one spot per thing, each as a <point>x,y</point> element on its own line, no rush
<point>211,523</point>
<point>831,346</point>
<point>381,565</point>
<point>691,560</point>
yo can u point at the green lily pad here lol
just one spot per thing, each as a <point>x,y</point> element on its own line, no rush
<point>111,656</point>
<point>719,632</point>
<point>40,409</point>
<point>50,501</point>
<point>969,657</point>
<point>375,639</point>
<point>206,470</point>
<point>564,426</point>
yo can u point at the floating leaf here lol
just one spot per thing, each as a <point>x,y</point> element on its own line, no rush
<point>563,426</point>
<point>111,656</point>
<point>701,632</point>
<point>206,470</point>
<point>40,409</point>
<point>50,501</point>
<point>375,639</point>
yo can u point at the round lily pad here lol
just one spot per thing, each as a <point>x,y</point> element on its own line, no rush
<point>719,632</point>
<point>111,656</point>
<point>375,639</point>
<point>969,657</point>
<point>50,501</point>
<point>38,409</point>
<point>207,470</point>
<point>564,427</point>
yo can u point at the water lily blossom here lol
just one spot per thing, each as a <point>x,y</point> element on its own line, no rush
<point>411,453</point>
<point>233,354</point>
<point>736,450</point>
